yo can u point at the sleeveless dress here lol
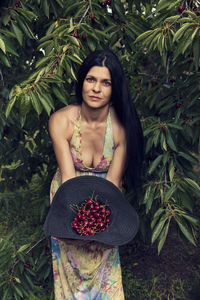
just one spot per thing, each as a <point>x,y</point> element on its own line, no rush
<point>89,271</point>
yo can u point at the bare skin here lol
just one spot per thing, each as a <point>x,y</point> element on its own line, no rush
<point>96,94</point>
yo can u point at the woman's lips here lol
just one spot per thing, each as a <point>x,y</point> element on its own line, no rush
<point>95,98</point>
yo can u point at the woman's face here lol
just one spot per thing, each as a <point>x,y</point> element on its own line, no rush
<point>97,87</point>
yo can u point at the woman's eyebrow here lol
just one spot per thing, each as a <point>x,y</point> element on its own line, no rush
<point>92,76</point>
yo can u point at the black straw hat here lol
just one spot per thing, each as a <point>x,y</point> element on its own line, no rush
<point>124,221</point>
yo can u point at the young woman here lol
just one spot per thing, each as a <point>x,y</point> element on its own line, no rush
<point>100,135</point>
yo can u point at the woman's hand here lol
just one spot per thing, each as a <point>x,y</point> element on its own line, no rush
<point>71,241</point>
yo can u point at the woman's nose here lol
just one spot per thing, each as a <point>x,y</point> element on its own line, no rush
<point>96,87</point>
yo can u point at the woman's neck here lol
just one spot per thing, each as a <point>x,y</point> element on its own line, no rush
<point>91,115</point>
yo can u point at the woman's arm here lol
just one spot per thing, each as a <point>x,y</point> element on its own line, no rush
<point>61,130</point>
<point>117,166</point>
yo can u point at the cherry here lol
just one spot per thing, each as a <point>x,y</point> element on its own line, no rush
<point>97,215</point>
<point>181,8</point>
<point>99,220</point>
<point>76,35</point>
<point>27,265</point>
<point>79,216</point>
<point>83,217</point>
<point>92,18</point>
<point>108,2</point>
<point>103,228</point>
<point>90,201</point>
<point>87,213</point>
<point>108,212</point>
<point>108,220</point>
<point>91,218</point>
<point>178,105</point>
<point>103,3</point>
<point>84,37</point>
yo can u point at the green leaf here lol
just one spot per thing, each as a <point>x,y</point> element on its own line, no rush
<point>73,58</point>
<point>156,137</point>
<point>170,192</point>
<point>192,183</point>
<point>23,247</point>
<point>163,142</point>
<point>171,170</point>
<point>26,29</point>
<point>189,157</point>
<point>4,60</point>
<point>163,4</point>
<point>159,226</point>
<point>196,51</point>
<point>10,105</point>
<point>45,7</point>
<point>143,35</point>
<point>155,163</point>
<point>25,105</point>
<point>10,47</point>
<point>73,40</point>
<point>186,200</point>
<point>46,38</point>
<point>119,9</point>
<point>59,95</point>
<point>163,236</point>
<point>17,31</point>
<point>43,61</point>
<point>191,219</point>
<point>72,72</point>
<point>29,280</point>
<point>46,105</point>
<point>149,200</point>
<point>6,294</point>
<point>19,292</point>
<point>181,31</point>
<point>156,216</point>
<point>2,46</point>
<point>36,102</point>
<point>185,229</point>
<point>170,141</point>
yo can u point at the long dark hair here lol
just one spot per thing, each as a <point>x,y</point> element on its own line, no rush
<point>124,108</point>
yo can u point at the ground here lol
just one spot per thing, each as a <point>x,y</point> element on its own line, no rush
<point>174,274</point>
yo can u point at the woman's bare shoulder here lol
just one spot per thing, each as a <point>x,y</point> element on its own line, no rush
<point>62,121</point>
<point>65,115</point>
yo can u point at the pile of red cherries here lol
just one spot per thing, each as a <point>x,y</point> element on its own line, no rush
<point>91,217</point>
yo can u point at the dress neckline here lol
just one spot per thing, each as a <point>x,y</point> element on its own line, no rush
<point>105,132</point>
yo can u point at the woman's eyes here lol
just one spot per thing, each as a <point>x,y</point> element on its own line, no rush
<point>105,82</point>
<point>90,79</point>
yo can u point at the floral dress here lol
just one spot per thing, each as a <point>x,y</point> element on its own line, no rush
<point>89,271</point>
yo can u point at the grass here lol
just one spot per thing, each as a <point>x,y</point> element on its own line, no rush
<point>174,275</point>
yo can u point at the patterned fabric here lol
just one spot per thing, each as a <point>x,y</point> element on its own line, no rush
<point>90,271</point>
<point>76,142</point>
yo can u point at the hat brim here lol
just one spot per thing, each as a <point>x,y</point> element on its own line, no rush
<point>124,219</point>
